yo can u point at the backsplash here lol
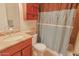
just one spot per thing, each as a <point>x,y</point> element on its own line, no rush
<point>28,25</point>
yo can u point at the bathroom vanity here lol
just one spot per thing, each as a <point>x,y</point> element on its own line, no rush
<point>16,45</point>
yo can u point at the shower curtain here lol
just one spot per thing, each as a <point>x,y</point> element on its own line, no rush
<point>55,29</point>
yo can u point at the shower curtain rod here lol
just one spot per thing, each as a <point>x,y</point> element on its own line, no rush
<point>55,25</point>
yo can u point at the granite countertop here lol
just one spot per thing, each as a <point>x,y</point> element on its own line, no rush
<point>7,41</point>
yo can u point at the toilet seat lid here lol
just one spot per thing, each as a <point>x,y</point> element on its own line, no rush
<point>39,46</point>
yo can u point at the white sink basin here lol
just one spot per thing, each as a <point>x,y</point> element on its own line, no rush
<point>13,38</point>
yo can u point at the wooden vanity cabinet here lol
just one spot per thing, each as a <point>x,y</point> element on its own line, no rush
<point>23,48</point>
<point>17,53</point>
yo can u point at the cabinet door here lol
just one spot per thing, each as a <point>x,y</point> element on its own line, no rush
<point>5,54</point>
<point>17,54</point>
<point>27,51</point>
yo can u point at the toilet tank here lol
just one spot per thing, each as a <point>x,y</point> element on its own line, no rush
<point>34,39</point>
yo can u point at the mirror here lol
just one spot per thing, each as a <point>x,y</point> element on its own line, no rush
<point>13,17</point>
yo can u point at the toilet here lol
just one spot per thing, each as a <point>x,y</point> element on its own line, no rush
<point>39,48</point>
